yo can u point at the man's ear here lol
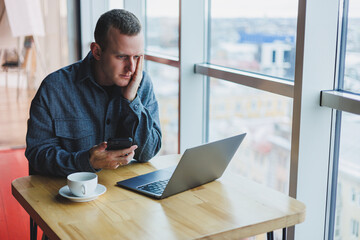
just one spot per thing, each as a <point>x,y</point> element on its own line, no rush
<point>95,50</point>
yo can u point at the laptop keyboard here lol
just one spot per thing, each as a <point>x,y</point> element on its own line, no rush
<point>155,187</point>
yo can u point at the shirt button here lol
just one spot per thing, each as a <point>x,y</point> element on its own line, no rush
<point>136,107</point>
<point>108,121</point>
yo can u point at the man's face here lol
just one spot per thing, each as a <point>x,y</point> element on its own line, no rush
<point>119,60</point>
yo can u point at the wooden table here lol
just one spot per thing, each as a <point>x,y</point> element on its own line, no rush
<point>231,207</point>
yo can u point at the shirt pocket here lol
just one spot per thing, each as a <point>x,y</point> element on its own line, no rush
<point>75,134</point>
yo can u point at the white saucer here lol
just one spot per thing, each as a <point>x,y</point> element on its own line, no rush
<point>65,192</point>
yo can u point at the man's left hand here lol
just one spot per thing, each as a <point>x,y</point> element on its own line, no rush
<point>129,92</point>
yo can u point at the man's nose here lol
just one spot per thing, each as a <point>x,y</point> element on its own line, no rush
<point>131,64</point>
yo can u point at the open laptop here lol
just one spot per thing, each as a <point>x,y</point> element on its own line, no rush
<point>197,166</point>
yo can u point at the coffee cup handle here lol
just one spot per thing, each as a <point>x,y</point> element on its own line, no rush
<point>83,189</point>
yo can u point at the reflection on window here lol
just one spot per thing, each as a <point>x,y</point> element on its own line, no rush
<point>256,36</point>
<point>264,155</point>
<point>162,27</point>
<point>352,59</point>
<point>166,85</point>
<point>347,207</point>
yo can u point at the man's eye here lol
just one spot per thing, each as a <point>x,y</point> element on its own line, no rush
<point>121,57</point>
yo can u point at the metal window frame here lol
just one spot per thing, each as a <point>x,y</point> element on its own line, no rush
<point>340,100</point>
<point>262,82</point>
<point>163,59</point>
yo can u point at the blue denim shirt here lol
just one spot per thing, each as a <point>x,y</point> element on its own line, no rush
<point>71,113</point>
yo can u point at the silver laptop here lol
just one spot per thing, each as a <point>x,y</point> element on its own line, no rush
<point>197,166</point>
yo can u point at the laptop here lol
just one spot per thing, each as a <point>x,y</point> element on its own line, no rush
<point>197,166</point>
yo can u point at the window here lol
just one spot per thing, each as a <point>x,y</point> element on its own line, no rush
<point>265,153</point>
<point>347,128</point>
<point>353,195</point>
<point>274,56</point>
<point>165,80</point>
<point>162,27</point>
<point>116,4</point>
<point>287,56</point>
<point>249,35</point>
<point>347,207</point>
<point>354,228</point>
<point>162,55</point>
<point>352,59</point>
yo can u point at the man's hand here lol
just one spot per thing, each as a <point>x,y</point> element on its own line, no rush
<point>102,159</point>
<point>129,92</point>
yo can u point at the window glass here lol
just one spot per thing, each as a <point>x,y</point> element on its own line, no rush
<point>162,27</point>
<point>166,86</point>
<point>264,155</point>
<point>352,58</point>
<point>348,191</point>
<point>117,4</point>
<point>257,36</point>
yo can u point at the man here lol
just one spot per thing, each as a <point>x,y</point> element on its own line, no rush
<point>106,95</point>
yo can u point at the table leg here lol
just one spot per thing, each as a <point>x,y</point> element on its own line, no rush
<point>33,229</point>
<point>284,237</point>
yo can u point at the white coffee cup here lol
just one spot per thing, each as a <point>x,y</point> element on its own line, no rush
<point>82,184</point>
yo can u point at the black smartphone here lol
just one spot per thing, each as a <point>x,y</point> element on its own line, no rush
<point>119,143</point>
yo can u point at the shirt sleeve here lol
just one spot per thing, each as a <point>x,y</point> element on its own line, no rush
<point>143,119</point>
<point>43,150</point>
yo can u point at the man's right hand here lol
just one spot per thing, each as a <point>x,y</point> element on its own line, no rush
<point>102,159</point>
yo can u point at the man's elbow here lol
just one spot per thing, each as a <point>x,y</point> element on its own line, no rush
<point>147,155</point>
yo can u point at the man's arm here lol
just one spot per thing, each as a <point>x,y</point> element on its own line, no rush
<point>44,152</point>
<point>47,156</point>
<point>143,119</point>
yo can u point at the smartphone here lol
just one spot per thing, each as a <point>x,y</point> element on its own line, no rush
<point>119,143</point>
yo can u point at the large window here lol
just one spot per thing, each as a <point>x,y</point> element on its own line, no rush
<point>165,79</point>
<point>345,211</point>
<point>117,4</point>
<point>352,66</point>
<point>257,36</point>
<point>162,53</point>
<point>264,156</point>
<point>162,27</point>
<point>348,195</point>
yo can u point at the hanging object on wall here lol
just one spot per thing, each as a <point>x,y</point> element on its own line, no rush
<point>25,17</point>
<point>7,41</point>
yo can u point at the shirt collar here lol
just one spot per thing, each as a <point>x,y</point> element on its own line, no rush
<point>86,73</point>
<point>85,70</point>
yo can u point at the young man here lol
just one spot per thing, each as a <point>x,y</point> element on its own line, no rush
<point>106,95</point>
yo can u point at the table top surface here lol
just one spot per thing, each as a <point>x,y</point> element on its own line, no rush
<point>230,207</point>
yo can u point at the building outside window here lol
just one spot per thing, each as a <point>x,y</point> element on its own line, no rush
<point>250,35</point>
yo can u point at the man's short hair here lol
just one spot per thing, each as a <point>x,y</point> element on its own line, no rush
<point>126,22</point>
